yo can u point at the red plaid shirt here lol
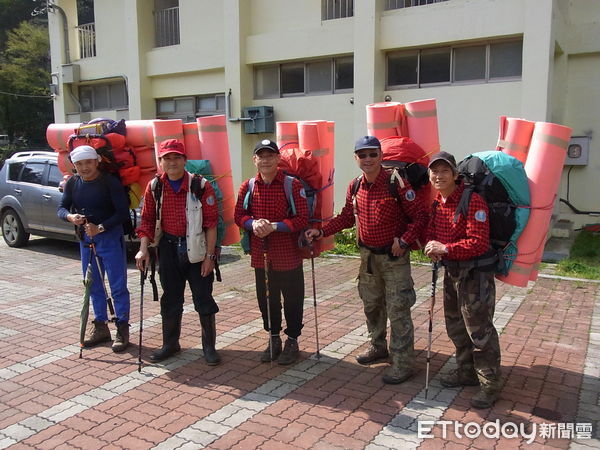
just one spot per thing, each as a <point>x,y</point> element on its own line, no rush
<point>269,202</point>
<point>380,216</point>
<point>173,219</point>
<point>469,237</point>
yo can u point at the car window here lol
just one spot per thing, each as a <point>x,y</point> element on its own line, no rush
<point>14,170</point>
<point>54,176</point>
<point>32,173</point>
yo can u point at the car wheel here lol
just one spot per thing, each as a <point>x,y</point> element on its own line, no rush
<point>12,229</point>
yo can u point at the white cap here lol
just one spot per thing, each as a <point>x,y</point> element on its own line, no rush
<point>84,152</point>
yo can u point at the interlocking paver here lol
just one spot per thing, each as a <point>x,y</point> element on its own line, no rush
<point>549,332</point>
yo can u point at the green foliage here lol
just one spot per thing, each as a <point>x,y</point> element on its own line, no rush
<point>25,103</point>
<point>584,261</point>
<point>345,242</point>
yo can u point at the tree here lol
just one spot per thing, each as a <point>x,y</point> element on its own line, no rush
<point>25,102</point>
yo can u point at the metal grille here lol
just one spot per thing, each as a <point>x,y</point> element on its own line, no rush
<point>166,27</point>
<point>396,4</point>
<point>87,40</point>
<point>336,9</point>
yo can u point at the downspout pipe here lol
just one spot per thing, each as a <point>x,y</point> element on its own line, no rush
<point>228,111</point>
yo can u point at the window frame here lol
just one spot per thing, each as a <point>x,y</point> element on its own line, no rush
<point>452,80</point>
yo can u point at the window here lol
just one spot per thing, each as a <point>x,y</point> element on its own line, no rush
<point>32,173</point>
<point>102,97</point>
<point>323,76</point>
<point>474,63</point>
<point>166,22</point>
<point>188,108</point>
<point>336,9</point>
<point>396,4</point>
<point>54,176</point>
<point>14,170</point>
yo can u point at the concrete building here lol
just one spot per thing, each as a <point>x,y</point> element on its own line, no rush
<point>327,59</point>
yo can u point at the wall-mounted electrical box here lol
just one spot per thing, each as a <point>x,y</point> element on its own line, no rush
<point>70,73</point>
<point>578,151</point>
<point>263,120</point>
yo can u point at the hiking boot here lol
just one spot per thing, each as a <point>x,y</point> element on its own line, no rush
<point>485,398</point>
<point>265,356</point>
<point>171,328</point>
<point>290,353</point>
<point>372,354</point>
<point>97,334</point>
<point>209,337</point>
<point>460,377</point>
<point>122,338</point>
<point>397,375</point>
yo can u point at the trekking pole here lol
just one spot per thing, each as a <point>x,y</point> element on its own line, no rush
<point>109,300</point>
<point>85,306</point>
<point>266,264</point>
<point>143,274</point>
<point>314,285</point>
<point>434,276</point>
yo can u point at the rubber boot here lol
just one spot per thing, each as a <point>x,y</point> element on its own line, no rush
<point>171,328</point>
<point>209,338</point>
<point>122,339</point>
<point>97,334</point>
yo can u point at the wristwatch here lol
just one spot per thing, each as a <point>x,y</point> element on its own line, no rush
<point>100,228</point>
<point>211,256</point>
<point>403,244</point>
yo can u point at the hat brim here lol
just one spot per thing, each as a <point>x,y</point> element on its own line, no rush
<point>367,147</point>
<point>447,161</point>
<point>271,149</point>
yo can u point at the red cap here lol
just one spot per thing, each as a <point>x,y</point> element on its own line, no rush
<point>170,146</point>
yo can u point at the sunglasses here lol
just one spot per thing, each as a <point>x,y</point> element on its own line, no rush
<point>370,155</point>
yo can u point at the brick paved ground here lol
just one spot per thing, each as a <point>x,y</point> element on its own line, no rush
<point>49,398</point>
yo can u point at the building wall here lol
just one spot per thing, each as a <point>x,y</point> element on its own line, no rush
<point>221,42</point>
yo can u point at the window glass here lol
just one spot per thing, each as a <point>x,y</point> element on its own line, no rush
<point>267,81</point>
<point>506,59</point>
<point>469,63</point>
<point>14,170</point>
<point>101,97</point>
<point>319,76</point>
<point>32,173</point>
<point>118,95</point>
<point>165,106</point>
<point>207,103</point>
<point>85,99</point>
<point>292,79</point>
<point>54,176</point>
<point>220,102</point>
<point>344,73</point>
<point>185,105</point>
<point>402,68</point>
<point>435,65</point>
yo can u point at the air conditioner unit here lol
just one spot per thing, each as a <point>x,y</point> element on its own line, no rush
<point>70,73</point>
<point>578,151</point>
<point>78,117</point>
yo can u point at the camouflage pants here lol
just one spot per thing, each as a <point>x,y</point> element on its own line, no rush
<point>387,292</point>
<point>469,303</point>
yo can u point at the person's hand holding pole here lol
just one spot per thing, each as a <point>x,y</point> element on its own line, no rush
<point>142,258</point>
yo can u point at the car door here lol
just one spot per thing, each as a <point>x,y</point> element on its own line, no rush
<point>27,192</point>
<point>51,197</point>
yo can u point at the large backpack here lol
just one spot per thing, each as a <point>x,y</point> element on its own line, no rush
<point>404,160</point>
<point>302,166</point>
<point>502,182</point>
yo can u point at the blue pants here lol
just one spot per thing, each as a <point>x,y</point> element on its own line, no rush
<point>112,259</point>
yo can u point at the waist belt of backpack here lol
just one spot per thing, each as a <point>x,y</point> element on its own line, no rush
<point>487,261</point>
<point>152,251</point>
<point>172,239</point>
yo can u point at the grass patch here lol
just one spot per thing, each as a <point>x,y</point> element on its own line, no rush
<point>584,261</point>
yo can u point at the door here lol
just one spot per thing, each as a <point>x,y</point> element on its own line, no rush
<point>28,192</point>
<point>51,197</point>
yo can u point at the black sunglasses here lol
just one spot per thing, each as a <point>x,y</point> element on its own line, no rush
<point>364,155</point>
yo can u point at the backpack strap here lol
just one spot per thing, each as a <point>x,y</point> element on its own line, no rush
<point>157,188</point>
<point>288,182</point>
<point>354,190</point>
<point>396,180</point>
<point>463,203</point>
<point>198,185</point>
<point>249,192</point>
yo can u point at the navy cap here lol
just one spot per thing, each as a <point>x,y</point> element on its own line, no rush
<point>367,142</point>
<point>444,156</point>
<point>266,144</point>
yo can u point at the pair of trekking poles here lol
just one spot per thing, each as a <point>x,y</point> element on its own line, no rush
<point>268,298</point>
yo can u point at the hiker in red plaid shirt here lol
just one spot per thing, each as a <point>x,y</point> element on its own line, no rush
<point>273,228</point>
<point>386,227</point>
<point>462,244</point>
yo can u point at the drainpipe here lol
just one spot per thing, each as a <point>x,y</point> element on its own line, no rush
<point>228,111</point>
